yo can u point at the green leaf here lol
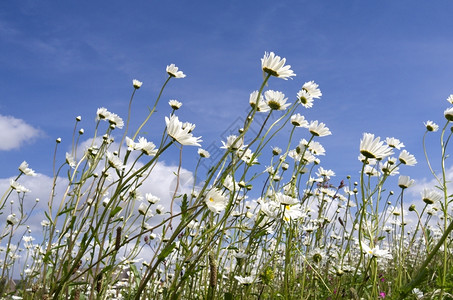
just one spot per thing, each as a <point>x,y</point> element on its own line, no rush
<point>48,217</point>
<point>166,252</point>
<point>65,211</point>
<point>115,211</point>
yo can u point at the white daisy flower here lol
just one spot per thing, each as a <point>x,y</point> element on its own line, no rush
<point>450,99</point>
<point>275,66</point>
<point>175,104</point>
<point>172,70</point>
<point>232,143</point>
<point>203,153</point>
<point>247,156</point>
<point>292,212</point>
<point>115,120</point>
<point>448,113</point>
<point>371,147</point>
<point>371,171</point>
<point>318,129</point>
<point>316,148</point>
<point>376,252</point>
<point>394,143</point>
<point>285,199</point>
<point>102,113</point>
<point>276,100</point>
<point>216,201</point>
<point>12,220</point>
<point>144,210</point>
<point>114,161</point>
<point>70,160</point>
<point>407,158</point>
<point>18,187</point>
<point>151,198</point>
<point>146,147</point>
<point>230,184</point>
<point>181,134</point>
<point>305,98</point>
<point>262,105</point>
<point>325,173</point>
<point>130,144</point>
<point>312,88</point>
<point>405,181</point>
<point>137,84</point>
<point>247,280</point>
<point>431,126</point>
<point>160,209</point>
<point>299,121</point>
<point>26,170</point>
<point>276,151</point>
<point>430,196</point>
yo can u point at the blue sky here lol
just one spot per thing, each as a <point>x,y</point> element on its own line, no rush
<point>383,66</point>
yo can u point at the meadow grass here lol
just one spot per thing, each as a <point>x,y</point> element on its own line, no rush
<point>260,223</point>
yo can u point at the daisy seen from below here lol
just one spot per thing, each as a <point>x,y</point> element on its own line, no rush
<point>448,113</point>
<point>274,65</point>
<point>394,143</point>
<point>450,99</point>
<point>262,105</point>
<point>292,212</point>
<point>146,147</point>
<point>318,129</point>
<point>430,196</point>
<point>115,121</point>
<point>12,220</point>
<point>316,148</point>
<point>312,89</point>
<point>325,173</point>
<point>405,181</point>
<point>175,104</point>
<point>285,199</point>
<point>431,126</point>
<point>26,170</point>
<point>371,147</point>
<point>102,113</point>
<point>276,151</point>
<point>70,160</point>
<point>276,100</point>
<point>137,84</point>
<point>305,98</point>
<point>376,252</point>
<point>247,280</point>
<point>407,158</point>
<point>114,161</point>
<point>233,143</point>
<point>371,171</point>
<point>181,133</point>
<point>173,71</point>
<point>299,121</point>
<point>203,153</point>
<point>215,201</point>
<point>18,187</point>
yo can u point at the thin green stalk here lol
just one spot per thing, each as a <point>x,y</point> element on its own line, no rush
<point>152,110</point>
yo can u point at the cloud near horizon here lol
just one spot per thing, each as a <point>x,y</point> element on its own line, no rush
<point>16,132</point>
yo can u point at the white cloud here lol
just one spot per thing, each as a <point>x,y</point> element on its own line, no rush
<point>15,132</point>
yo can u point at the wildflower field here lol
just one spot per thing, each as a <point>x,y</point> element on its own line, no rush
<point>262,221</point>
